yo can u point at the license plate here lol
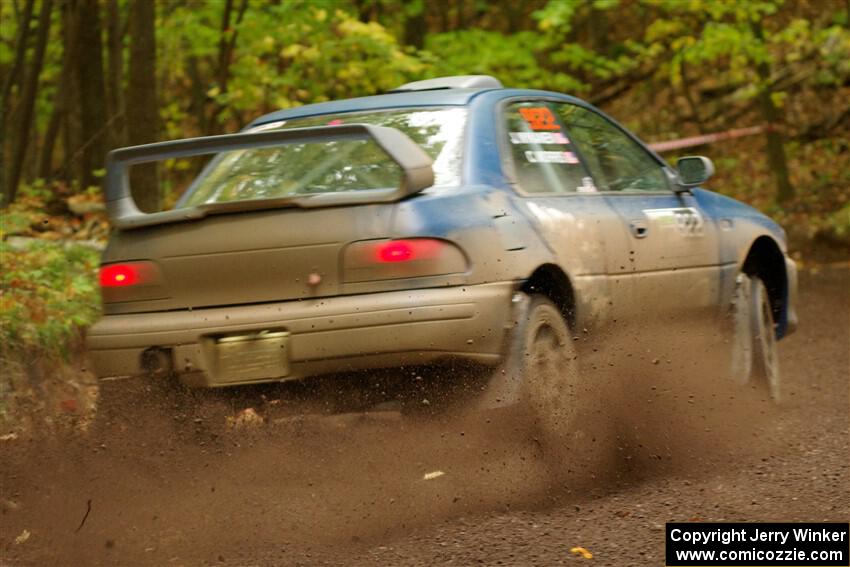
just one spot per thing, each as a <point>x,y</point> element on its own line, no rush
<point>242,358</point>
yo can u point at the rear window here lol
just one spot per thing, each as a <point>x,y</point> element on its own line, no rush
<point>331,167</point>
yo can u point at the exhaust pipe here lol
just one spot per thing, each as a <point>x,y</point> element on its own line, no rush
<point>157,362</point>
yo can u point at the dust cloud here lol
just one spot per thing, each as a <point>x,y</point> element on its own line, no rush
<point>186,489</point>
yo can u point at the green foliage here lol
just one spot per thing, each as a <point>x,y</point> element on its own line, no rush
<point>286,55</point>
<point>667,68</point>
<point>732,38</point>
<point>839,223</point>
<point>515,59</point>
<point>28,210</point>
<point>48,294</point>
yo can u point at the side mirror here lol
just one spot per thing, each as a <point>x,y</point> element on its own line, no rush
<point>694,170</point>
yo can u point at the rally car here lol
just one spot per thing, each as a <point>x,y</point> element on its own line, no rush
<point>450,219</point>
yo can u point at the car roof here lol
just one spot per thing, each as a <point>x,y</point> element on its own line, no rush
<point>456,90</point>
<point>406,99</point>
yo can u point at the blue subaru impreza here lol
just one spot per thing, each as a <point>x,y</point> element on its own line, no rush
<point>449,220</point>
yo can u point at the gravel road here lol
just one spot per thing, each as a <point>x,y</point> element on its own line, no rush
<point>679,445</point>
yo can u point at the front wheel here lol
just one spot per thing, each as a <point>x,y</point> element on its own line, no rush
<point>754,357</point>
<point>765,356</point>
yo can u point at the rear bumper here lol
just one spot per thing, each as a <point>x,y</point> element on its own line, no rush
<point>325,335</point>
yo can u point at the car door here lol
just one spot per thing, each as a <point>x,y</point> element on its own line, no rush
<point>670,261</point>
<point>558,194</point>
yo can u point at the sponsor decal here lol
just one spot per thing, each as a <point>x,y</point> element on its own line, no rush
<point>541,156</point>
<point>539,118</point>
<point>538,138</point>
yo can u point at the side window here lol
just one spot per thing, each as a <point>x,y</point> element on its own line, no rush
<point>543,156</point>
<point>616,161</point>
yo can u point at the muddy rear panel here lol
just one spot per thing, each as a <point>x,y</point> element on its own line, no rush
<point>249,257</point>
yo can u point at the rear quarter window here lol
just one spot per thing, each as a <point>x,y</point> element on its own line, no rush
<point>543,157</point>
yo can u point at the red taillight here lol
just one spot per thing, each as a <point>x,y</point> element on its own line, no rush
<point>407,250</point>
<point>371,260</point>
<point>120,275</point>
<point>398,251</point>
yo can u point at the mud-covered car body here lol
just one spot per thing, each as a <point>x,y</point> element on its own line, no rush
<point>535,200</point>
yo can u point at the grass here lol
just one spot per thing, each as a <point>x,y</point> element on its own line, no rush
<point>48,296</point>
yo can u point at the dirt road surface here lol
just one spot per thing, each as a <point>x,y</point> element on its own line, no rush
<point>679,445</point>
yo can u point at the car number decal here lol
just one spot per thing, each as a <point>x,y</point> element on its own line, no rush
<point>539,118</point>
<point>687,220</point>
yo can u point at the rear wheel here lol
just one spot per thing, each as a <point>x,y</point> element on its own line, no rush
<point>542,358</point>
<point>550,369</point>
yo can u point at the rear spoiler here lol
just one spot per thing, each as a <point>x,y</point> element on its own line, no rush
<point>124,214</point>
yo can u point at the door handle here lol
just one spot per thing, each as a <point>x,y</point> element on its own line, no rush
<point>638,229</point>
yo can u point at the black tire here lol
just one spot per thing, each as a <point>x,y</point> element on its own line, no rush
<point>542,355</point>
<point>754,360</point>
<point>741,352</point>
<point>765,356</point>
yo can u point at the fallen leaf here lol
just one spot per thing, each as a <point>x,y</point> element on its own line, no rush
<point>246,418</point>
<point>433,475</point>
<point>25,535</point>
<point>582,551</point>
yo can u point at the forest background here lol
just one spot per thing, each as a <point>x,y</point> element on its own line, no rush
<point>81,77</point>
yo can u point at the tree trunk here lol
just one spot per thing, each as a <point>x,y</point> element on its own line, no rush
<point>226,45</point>
<point>415,28</point>
<point>847,14</point>
<point>20,53</point>
<point>443,11</point>
<point>364,10</point>
<point>6,191</point>
<point>775,148</point>
<point>198,106</point>
<point>115,74</point>
<point>143,121</point>
<point>69,90</point>
<point>45,157</point>
<point>221,74</point>
<point>775,140</point>
<point>597,23</point>
<point>689,98</point>
<point>92,99</point>
<point>460,15</point>
<point>27,105</point>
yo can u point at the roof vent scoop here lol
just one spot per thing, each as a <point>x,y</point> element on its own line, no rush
<point>456,82</point>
